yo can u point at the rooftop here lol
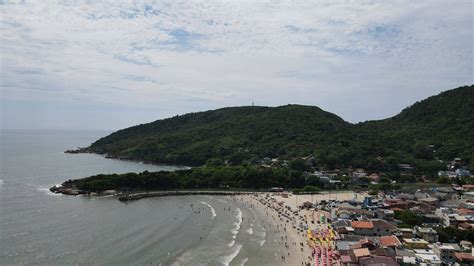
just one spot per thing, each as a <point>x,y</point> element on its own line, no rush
<point>424,251</point>
<point>362,224</point>
<point>377,260</point>
<point>361,252</point>
<point>345,245</point>
<point>383,224</point>
<point>448,246</point>
<point>428,257</point>
<point>414,240</point>
<point>464,256</point>
<point>389,241</point>
<point>425,230</point>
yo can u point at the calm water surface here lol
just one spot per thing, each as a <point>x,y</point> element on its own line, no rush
<point>38,227</point>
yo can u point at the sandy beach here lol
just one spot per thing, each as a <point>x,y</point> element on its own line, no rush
<point>282,215</point>
<point>292,247</point>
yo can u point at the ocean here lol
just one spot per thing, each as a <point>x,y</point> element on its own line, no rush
<point>41,228</point>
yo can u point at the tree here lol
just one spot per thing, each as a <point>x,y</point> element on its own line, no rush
<point>214,162</point>
<point>298,165</point>
<point>409,218</point>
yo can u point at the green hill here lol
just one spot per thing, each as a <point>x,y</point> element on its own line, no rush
<point>234,133</point>
<point>438,127</point>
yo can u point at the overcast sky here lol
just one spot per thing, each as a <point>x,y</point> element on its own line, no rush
<point>113,64</point>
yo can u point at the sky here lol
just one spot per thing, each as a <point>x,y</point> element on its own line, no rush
<point>113,64</point>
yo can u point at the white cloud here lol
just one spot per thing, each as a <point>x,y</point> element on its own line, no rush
<point>359,59</point>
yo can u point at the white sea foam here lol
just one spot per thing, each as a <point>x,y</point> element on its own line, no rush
<point>261,233</point>
<point>249,231</point>
<point>210,207</point>
<point>244,261</point>
<point>231,244</point>
<point>237,224</point>
<point>45,190</point>
<point>226,260</point>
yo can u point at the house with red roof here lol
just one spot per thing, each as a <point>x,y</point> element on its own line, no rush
<point>389,241</point>
<point>373,228</point>
<point>464,258</point>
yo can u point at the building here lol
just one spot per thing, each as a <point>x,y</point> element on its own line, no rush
<point>344,247</point>
<point>405,169</point>
<point>373,228</point>
<point>445,252</point>
<point>361,252</point>
<point>405,233</point>
<point>462,173</point>
<point>464,258</point>
<point>359,173</point>
<point>377,260</point>
<point>428,234</point>
<point>367,202</point>
<point>453,220</point>
<point>433,202</point>
<point>386,214</point>
<point>468,187</point>
<point>469,195</point>
<point>383,228</point>
<point>427,256</point>
<point>374,177</point>
<point>364,228</point>
<point>465,245</point>
<point>415,243</point>
<point>389,241</point>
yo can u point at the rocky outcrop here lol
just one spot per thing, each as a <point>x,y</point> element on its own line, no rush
<point>67,190</point>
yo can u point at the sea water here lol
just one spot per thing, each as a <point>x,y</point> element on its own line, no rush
<point>39,227</point>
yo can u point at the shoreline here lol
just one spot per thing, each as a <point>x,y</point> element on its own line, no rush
<point>283,219</point>
<point>293,248</point>
<point>106,156</point>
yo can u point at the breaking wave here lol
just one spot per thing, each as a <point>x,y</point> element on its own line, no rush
<point>213,211</point>
<point>226,260</point>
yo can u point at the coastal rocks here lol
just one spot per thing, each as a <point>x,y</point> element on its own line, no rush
<point>78,150</point>
<point>109,192</point>
<point>141,195</point>
<point>67,190</point>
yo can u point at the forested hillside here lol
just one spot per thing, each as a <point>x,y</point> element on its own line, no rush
<point>438,128</point>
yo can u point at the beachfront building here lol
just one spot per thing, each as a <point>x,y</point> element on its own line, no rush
<point>373,228</point>
<point>378,260</point>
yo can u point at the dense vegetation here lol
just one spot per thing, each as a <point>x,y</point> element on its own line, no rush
<point>439,127</point>
<point>454,235</point>
<point>220,177</point>
<point>216,175</point>
<point>408,218</point>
